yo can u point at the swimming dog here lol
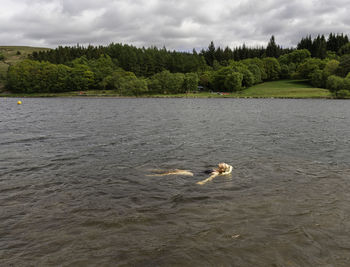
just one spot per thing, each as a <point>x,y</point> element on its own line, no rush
<point>223,169</point>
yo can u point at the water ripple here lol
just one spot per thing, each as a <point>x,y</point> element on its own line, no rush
<point>74,189</point>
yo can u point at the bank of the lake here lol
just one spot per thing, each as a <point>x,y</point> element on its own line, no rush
<point>273,89</point>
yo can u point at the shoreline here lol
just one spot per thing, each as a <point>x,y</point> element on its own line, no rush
<point>281,89</point>
<point>165,96</point>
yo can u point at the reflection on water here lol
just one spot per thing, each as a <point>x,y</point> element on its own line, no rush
<point>74,190</point>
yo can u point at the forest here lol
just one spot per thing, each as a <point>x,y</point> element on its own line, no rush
<point>129,70</point>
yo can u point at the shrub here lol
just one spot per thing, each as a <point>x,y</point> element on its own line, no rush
<point>342,94</point>
<point>334,83</point>
<point>317,79</point>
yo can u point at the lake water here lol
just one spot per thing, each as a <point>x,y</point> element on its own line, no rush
<point>74,189</point>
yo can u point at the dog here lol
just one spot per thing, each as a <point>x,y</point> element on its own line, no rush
<point>222,169</point>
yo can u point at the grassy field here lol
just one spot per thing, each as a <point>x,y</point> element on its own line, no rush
<point>285,89</point>
<point>275,89</point>
<point>14,54</point>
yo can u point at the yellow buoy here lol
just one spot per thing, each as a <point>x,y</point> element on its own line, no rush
<point>19,102</point>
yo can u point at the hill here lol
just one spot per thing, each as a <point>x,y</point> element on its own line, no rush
<point>12,55</point>
<point>285,89</point>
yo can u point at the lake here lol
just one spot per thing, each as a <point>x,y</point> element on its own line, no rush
<point>75,190</point>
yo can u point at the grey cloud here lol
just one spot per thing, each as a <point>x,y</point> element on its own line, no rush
<point>177,24</point>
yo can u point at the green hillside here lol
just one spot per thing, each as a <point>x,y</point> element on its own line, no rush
<point>13,54</point>
<point>285,89</point>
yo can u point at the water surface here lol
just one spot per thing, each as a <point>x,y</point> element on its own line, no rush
<point>74,190</point>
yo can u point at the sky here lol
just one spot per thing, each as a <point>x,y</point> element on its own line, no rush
<point>176,24</point>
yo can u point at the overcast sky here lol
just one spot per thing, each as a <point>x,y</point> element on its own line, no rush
<point>176,24</point>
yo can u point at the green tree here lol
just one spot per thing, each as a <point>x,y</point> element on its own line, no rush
<point>30,76</point>
<point>101,67</point>
<point>343,94</point>
<point>175,83</point>
<point>248,77</point>
<point>318,78</point>
<point>219,78</point>
<point>170,83</point>
<point>216,65</point>
<point>255,70</point>
<point>344,65</point>
<point>233,82</point>
<point>285,73</point>
<point>257,62</point>
<point>305,43</point>
<point>272,68</point>
<point>205,79</point>
<point>332,55</point>
<point>345,49</point>
<point>190,82</point>
<point>154,86</point>
<point>331,67</point>
<point>309,66</point>
<point>210,54</point>
<point>319,47</point>
<point>81,77</point>
<point>296,57</point>
<point>335,83</point>
<point>272,48</point>
<point>133,86</point>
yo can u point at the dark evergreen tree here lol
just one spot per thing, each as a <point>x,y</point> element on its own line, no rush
<point>210,54</point>
<point>272,48</point>
<point>305,43</point>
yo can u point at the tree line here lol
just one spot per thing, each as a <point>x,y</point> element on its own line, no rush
<point>320,47</point>
<point>141,61</point>
<point>133,71</point>
<point>148,61</point>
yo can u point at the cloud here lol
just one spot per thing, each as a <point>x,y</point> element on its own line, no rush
<point>176,24</point>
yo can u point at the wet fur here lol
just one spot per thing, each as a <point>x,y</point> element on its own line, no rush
<point>171,172</point>
<point>216,172</point>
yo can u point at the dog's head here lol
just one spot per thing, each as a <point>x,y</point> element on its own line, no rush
<point>222,167</point>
